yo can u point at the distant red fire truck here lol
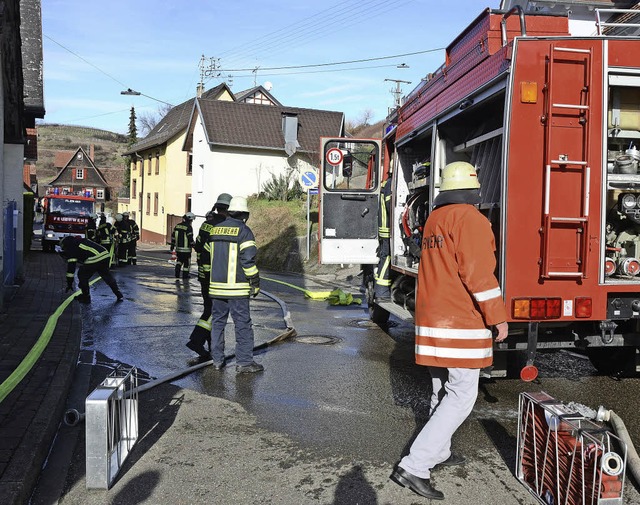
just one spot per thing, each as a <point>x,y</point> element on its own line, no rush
<point>62,215</point>
<point>551,121</point>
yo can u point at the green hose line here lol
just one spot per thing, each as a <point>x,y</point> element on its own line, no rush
<point>36,351</point>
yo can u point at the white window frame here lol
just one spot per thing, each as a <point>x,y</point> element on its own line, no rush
<point>80,173</point>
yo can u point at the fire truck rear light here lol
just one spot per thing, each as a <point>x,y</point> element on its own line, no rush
<point>583,307</point>
<point>537,308</point>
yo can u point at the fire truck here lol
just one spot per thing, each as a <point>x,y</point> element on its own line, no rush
<point>551,121</point>
<point>64,214</point>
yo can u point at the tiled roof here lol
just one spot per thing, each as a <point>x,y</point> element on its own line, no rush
<point>174,122</point>
<point>260,126</point>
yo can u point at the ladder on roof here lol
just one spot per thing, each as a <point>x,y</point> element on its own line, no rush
<point>567,173</point>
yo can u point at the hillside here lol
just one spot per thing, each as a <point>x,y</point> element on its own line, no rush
<point>108,148</point>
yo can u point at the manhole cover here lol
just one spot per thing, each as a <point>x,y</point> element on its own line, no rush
<point>317,339</point>
<point>362,323</point>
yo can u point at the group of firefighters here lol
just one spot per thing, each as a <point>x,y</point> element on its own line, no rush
<point>119,238</point>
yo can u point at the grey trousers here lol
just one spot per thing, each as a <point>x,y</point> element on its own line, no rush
<point>454,394</point>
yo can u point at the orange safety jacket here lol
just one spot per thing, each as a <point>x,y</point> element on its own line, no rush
<point>458,295</point>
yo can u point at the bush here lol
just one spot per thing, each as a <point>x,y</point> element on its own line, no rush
<point>282,188</point>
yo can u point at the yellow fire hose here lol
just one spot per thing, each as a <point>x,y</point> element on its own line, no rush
<point>334,297</point>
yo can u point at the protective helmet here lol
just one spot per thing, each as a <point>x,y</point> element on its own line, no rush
<point>93,215</point>
<point>223,200</point>
<point>119,217</point>
<point>190,216</point>
<point>238,204</point>
<point>125,214</point>
<point>459,175</point>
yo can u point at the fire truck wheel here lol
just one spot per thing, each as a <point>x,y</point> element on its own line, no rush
<point>616,361</point>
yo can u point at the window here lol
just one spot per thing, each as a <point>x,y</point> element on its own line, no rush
<point>148,203</point>
<point>350,166</point>
<point>188,203</point>
<point>155,204</point>
<point>100,194</point>
<point>190,164</point>
<point>157,162</point>
<point>149,165</point>
<point>79,173</point>
<point>134,188</point>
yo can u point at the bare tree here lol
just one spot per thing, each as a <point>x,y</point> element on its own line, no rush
<point>353,126</point>
<point>147,121</point>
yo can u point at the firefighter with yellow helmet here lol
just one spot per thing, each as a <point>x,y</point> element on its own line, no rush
<point>458,301</point>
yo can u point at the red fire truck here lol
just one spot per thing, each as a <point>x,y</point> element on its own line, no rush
<point>551,121</point>
<point>64,214</point>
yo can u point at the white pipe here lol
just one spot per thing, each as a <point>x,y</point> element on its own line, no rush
<point>633,460</point>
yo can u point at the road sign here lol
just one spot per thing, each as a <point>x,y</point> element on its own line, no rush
<point>334,156</point>
<point>309,179</point>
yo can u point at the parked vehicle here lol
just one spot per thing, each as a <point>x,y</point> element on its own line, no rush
<point>62,215</point>
<point>552,124</point>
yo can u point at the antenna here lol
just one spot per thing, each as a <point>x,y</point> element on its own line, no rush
<point>397,92</point>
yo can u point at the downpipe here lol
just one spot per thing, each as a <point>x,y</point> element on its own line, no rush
<point>73,417</point>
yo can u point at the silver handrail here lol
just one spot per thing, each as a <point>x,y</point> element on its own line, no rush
<point>503,23</point>
<point>600,25</point>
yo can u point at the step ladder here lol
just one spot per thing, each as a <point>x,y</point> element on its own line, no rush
<point>565,229</point>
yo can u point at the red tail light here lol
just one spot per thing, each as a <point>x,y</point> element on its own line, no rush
<point>537,308</point>
<point>583,307</point>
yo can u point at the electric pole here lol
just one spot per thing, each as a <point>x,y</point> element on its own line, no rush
<point>397,92</point>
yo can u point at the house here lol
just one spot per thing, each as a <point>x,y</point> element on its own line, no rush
<point>259,95</point>
<point>237,147</point>
<point>22,102</point>
<point>160,184</point>
<point>80,176</point>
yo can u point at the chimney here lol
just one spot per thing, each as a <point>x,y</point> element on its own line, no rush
<point>199,90</point>
<point>91,151</point>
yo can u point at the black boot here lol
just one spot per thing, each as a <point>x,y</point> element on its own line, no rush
<point>178,268</point>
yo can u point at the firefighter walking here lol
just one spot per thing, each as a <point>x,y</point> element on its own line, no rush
<point>106,237</point>
<point>458,300</point>
<point>234,278</point>
<point>202,330</point>
<point>182,243</point>
<point>90,258</point>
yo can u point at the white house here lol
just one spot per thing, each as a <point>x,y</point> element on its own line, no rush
<point>237,147</point>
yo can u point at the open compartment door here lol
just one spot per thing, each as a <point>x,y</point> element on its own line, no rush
<point>349,191</point>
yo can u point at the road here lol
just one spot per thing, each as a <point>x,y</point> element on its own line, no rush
<point>335,409</point>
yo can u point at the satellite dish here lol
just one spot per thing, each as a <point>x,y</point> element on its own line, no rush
<point>267,85</point>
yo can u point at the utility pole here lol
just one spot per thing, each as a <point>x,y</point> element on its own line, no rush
<point>397,92</point>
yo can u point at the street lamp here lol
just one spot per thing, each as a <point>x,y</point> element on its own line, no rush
<point>130,91</point>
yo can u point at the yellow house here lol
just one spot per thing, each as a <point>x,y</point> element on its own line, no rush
<point>160,184</point>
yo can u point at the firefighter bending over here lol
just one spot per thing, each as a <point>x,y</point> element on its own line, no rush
<point>202,331</point>
<point>90,258</point>
<point>458,299</point>
<point>182,242</point>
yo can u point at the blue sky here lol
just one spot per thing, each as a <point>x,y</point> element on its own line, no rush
<point>95,49</point>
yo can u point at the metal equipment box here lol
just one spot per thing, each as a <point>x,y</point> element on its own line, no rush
<point>111,420</point>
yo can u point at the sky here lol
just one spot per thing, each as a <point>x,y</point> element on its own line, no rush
<point>336,54</point>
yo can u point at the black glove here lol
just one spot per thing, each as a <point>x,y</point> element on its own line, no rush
<point>254,284</point>
<point>69,286</point>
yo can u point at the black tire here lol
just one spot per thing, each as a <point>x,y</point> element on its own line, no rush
<point>618,361</point>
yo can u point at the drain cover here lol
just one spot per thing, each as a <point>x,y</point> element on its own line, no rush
<point>317,339</point>
<point>362,323</point>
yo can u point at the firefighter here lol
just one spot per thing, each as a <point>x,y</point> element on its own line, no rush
<point>134,236</point>
<point>182,242</point>
<point>202,330</point>
<point>105,236</point>
<point>122,240</point>
<point>90,230</point>
<point>90,258</point>
<point>234,278</point>
<point>383,279</point>
<point>458,300</point>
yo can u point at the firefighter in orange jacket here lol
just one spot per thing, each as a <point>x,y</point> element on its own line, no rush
<point>458,300</point>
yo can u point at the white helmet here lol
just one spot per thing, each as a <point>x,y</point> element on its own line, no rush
<point>238,204</point>
<point>459,175</point>
<point>118,217</point>
<point>190,216</point>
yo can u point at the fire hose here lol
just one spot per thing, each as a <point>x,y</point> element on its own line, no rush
<point>633,460</point>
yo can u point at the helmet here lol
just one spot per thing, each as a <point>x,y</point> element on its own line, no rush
<point>125,214</point>
<point>189,215</point>
<point>223,200</point>
<point>119,217</point>
<point>93,215</point>
<point>459,175</point>
<point>238,204</point>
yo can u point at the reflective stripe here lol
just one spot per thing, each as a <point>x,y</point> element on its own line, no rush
<point>248,243</point>
<point>382,278</point>
<point>233,263</point>
<point>453,333</point>
<point>71,276</point>
<point>204,324</point>
<point>251,271</point>
<point>483,296</point>
<point>449,352</point>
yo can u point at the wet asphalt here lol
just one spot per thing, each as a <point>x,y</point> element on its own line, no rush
<point>335,409</point>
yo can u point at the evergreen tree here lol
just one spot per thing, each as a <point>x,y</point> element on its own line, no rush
<point>132,138</point>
